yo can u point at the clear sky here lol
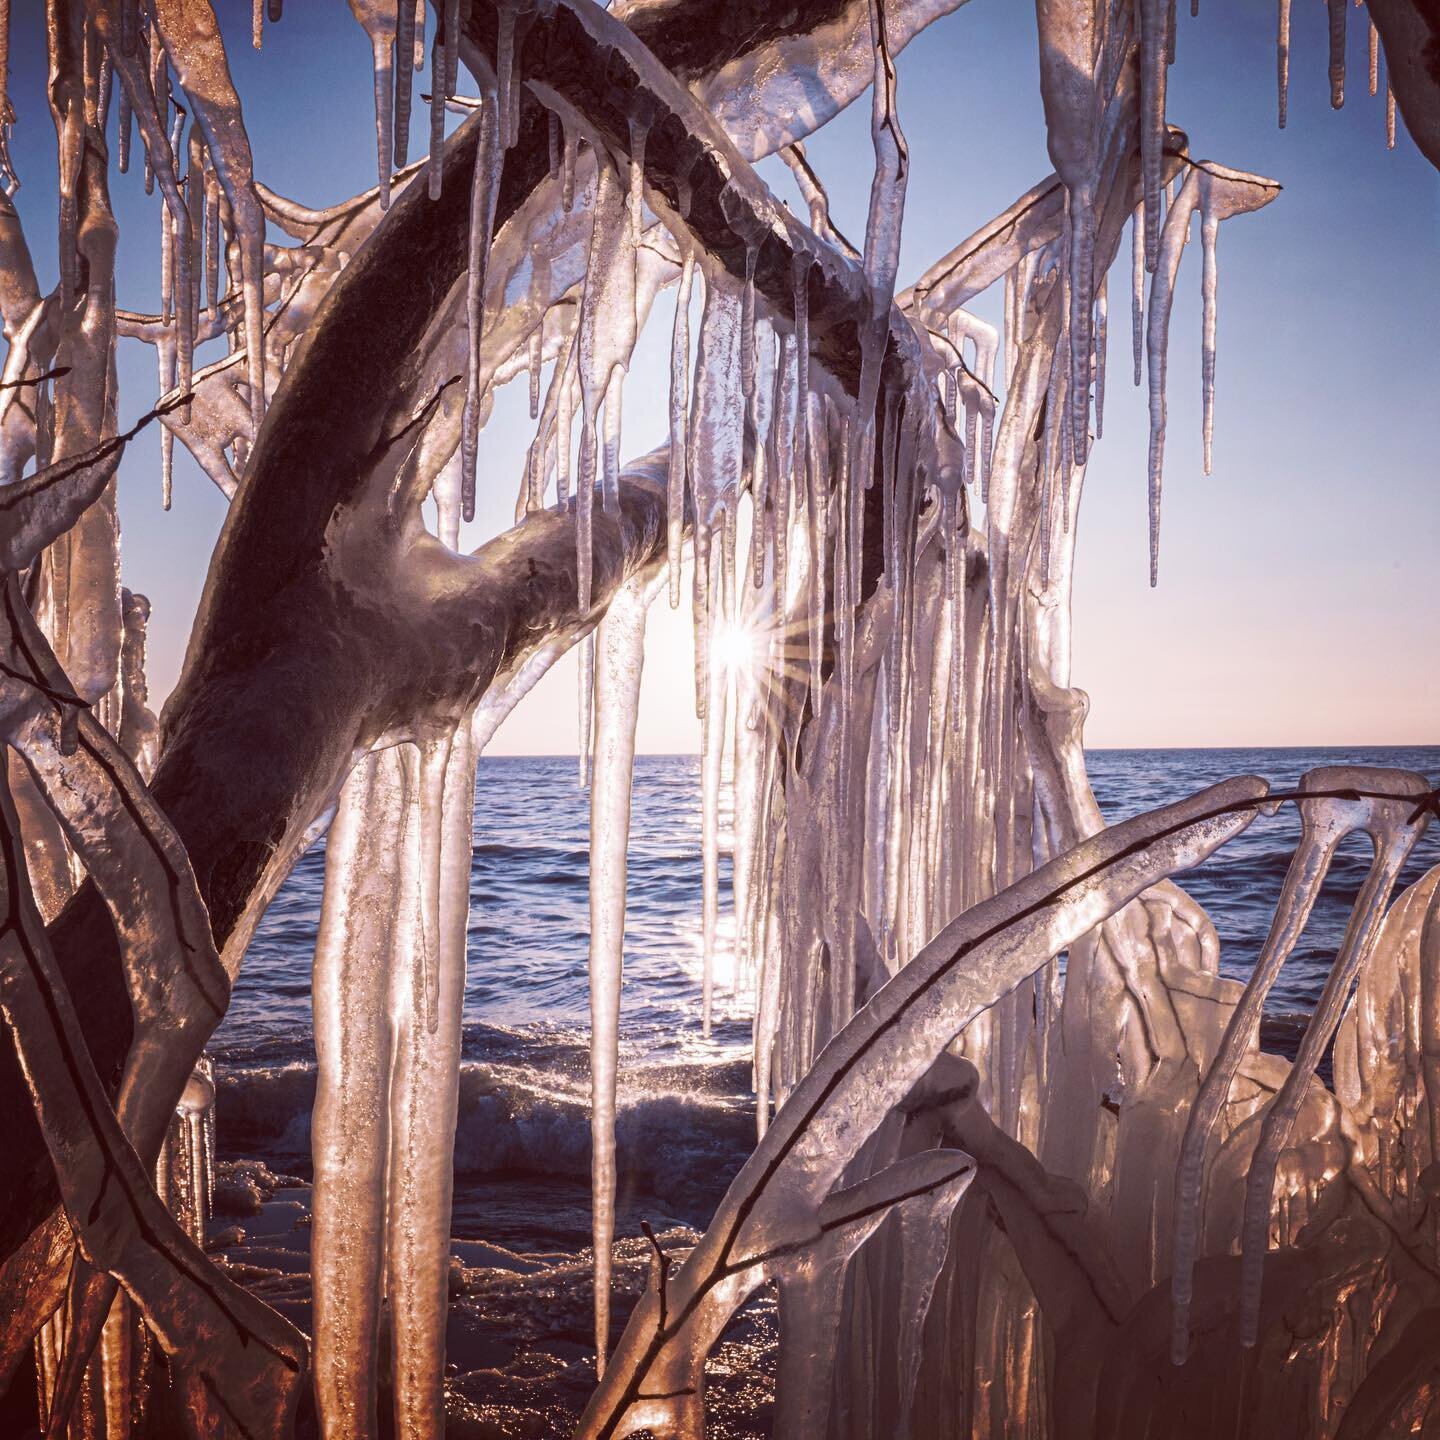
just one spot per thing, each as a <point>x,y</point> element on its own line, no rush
<point>1298,592</point>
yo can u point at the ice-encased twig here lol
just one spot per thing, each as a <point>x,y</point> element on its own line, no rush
<point>1324,824</point>
<point>1393,826</point>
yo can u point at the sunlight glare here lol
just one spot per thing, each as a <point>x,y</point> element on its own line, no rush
<point>734,647</point>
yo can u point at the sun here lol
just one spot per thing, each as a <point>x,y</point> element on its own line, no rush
<point>735,647</point>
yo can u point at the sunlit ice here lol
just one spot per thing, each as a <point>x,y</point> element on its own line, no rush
<point>999,1127</point>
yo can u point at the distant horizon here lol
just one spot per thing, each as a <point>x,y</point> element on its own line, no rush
<point>1114,749</point>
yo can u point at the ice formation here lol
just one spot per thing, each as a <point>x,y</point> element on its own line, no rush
<point>1022,1167</point>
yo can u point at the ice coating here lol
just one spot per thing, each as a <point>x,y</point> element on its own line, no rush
<point>913,727</point>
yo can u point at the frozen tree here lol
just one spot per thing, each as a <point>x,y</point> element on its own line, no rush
<point>994,1198</point>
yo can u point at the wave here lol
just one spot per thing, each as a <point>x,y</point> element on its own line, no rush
<point>682,1130</point>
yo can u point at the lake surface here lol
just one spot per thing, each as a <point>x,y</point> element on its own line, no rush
<point>686,1109</point>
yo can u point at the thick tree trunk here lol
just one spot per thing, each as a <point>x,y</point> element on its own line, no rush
<point>328,618</point>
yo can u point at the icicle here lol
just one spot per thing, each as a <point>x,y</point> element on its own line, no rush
<point>195,239</point>
<point>987,449</point>
<point>451,49</point>
<point>423,1098</point>
<point>636,199</point>
<point>786,376</point>
<point>122,131</point>
<point>534,360</point>
<point>1337,9</point>
<point>117,1368</point>
<point>716,435</point>
<point>586,708</point>
<point>847,566</point>
<point>1389,115</point>
<point>440,72</point>
<point>1152,120</point>
<point>165,350</point>
<point>610,475</point>
<point>890,509</point>
<point>508,98</point>
<point>815,482</point>
<point>617,699</point>
<point>1282,58</point>
<point>257,23</point>
<point>747,326</point>
<point>1209,235</point>
<point>1157,341</point>
<point>419,33</point>
<point>378,19</point>
<point>1080,284</point>
<point>1102,307</point>
<point>584,514</point>
<point>213,245</point>
<point>1137,286</point>
<point>564,425</point>
<point>484,189</point>
<point>535,351</point>
<point>567,168</point>
<point>1374,58</point>
<point>1067,460</point>
<point>800,276</point>
<point>406,42</point>
<point>712,746</point>
<point>679,410</point>
<point>761,417</point>
<point>353,952</point>
<point>605,338</point>
<point>1011,310</point>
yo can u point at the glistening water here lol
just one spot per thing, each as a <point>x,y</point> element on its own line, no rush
<point>518,1347</point>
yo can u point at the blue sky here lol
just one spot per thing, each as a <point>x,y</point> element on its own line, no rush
<point>1297,600</point>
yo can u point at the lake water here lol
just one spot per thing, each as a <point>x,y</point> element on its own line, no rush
<point>686,1119</point>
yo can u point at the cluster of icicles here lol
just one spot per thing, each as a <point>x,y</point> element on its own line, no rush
<point>111,1389</point>
<point>906,751</point>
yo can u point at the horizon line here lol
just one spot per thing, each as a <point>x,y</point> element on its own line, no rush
<point>1089,749</point>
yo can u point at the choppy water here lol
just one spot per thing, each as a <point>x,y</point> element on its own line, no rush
<point>686,1121</point>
